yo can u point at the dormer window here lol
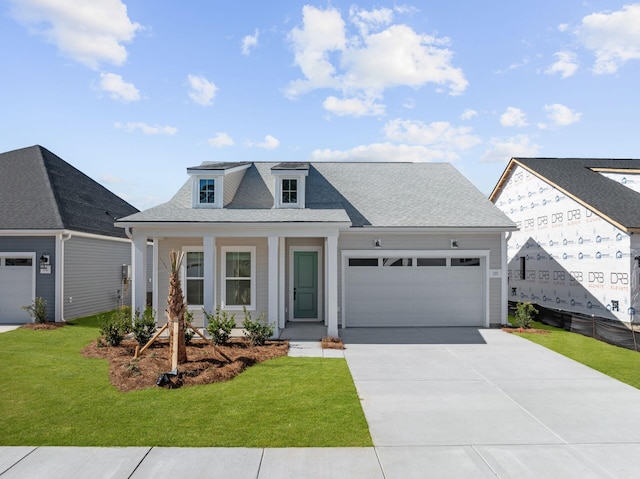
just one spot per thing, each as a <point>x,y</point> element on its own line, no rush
<point>290,184</point>
<point>207,191</point>
<point>289,191</point>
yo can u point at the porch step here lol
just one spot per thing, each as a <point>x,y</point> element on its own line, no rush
<point>312,349</point>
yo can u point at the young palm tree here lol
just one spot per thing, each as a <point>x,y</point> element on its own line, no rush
<point>175,311</point>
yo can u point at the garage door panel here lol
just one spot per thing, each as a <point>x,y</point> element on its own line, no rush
<point>414,296</point>
<point>16,290</point>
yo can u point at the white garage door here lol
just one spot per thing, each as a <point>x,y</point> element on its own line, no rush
<point>16,288</point>
<point>414,291</point>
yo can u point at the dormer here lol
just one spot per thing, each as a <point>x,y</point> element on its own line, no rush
<point>208,183</point>
<point>290,184</point>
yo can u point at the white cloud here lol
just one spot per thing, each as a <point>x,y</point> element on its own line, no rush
<point>249,41</point>
<point>269,143</point>
<point>221,139</point>
<point>614,37</point>
<point>439,134</point>
<point>384,152</point>
<point>563,27</point>
<point>513,117</point>
<point>502,150</point>
<point>468,114</point>
<point>146,129</point>
<point>118,89</point>
<point>330,55</point>
<point>561,115</point>
<point>353,106</point>
<point>566,64</point>
<point>202,90</point>
<point>91,33</point>
<point>108,179</point>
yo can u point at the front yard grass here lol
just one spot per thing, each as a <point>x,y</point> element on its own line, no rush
<point>51,395</point>
<point>619,363</point>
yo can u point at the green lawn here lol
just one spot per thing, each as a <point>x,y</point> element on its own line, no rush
<point>51,395</point>
<point>619,363</point>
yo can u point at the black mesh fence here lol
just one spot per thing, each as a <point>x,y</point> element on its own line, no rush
<point>602,329</point>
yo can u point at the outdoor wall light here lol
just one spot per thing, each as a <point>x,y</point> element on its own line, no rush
<point>44,259</point>
<point>454,243</point>
<point>377,243</point>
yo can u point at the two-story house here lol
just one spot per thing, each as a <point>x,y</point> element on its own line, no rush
<point>344,244</point>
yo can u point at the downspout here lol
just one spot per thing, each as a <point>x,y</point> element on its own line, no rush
<point>59,283</point>
<point>505,279</point>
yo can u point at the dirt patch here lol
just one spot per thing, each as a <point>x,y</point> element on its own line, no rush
<point>204,366</point>
<point>526,330</point>
<point>329,342</point>
<point>43,326</point>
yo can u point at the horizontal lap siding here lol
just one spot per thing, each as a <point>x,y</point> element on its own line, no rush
<point>93,276</point>
<point>411,241</point>
<point>45,283</point>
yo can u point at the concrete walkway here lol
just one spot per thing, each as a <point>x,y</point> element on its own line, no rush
<point>441,403</point>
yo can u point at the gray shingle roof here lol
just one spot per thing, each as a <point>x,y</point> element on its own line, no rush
<point>366,194</point>
<point>39,190</point>
<point>575,176</point>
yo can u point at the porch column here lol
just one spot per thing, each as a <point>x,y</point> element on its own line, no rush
<point>155,293</point>
<point>281,283</point>
<point>209,284</point>
<point>272,313</point>
<point>138,271</point>
<point>331,247</point>
<point>504,287</point>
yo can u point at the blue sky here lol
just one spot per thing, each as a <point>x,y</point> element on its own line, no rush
<point>134,92</point>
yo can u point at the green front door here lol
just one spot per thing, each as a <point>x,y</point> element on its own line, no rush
<point>305,285</point>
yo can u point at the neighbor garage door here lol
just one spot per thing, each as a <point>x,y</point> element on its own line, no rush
<point>414,291</point>
<point>16,288</point>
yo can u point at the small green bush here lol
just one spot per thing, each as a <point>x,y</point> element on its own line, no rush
<point>188,332</point>
<point>116,326</point>
<point>37,310</point>
<point>524,314</point>
<point>144,326</point>
<point>219,325</point>
<point>258,330</point>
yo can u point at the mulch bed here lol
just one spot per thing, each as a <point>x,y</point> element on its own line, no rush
<point>204,365</point>
<point>526,330</point>
<point>43,326</point>
<point>329,342</point>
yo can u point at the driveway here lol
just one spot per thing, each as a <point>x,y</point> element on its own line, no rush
<point>464,402</point>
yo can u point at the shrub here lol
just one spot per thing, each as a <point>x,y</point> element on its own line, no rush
<point>188,332</point>
<point>115,326</point>
<point>257,331</point>
<point>144,326</point>
<point>524,314</point>
<point>219,325</point>
<point>37,310</point>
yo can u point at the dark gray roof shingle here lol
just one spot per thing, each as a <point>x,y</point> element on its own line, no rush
<point>39,190</point>
<point>576,177</point>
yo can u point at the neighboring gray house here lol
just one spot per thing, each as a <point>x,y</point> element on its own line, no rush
<point>577,248</point>
<point>345,244</point>
<point>57,239</point>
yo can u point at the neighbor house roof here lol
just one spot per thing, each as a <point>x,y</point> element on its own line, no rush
<point>581,180</point>
<point>40,191</point>
<point>364,194</point>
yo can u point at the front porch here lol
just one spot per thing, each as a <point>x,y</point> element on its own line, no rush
<point>253,267</point>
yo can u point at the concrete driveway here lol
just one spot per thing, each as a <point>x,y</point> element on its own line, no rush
<point>463,402</point>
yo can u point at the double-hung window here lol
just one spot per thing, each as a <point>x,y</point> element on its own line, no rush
<point>239,277</point>
<point>194,276</point>
<point>207,191</point>
<point>289,191</point>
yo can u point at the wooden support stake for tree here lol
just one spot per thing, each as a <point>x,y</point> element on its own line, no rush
<point>199,333</point>
<point>152,340</point>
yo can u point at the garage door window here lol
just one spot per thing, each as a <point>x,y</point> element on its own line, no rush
<point>431,261</point>
<point>363,262</point>
<point>465,261</point>
<point>18,262</point>
<point>397,261</point>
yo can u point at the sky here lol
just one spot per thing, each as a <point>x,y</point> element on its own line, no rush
<point>132,93</point>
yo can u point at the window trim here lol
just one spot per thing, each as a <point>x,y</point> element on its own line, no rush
<point>223,277</point>
<point>183,275</point>
<point>301,184</point>
<point>218,185</point>
<point>282,192</point>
